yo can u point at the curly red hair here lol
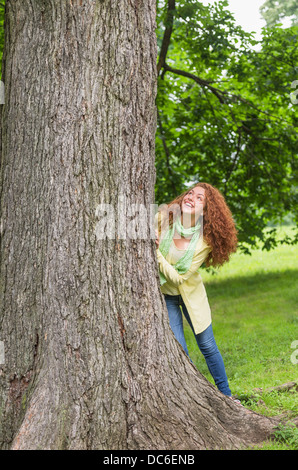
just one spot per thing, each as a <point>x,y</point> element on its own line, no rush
<point>219,228</point>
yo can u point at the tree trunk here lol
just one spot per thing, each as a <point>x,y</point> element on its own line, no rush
<point>90,360</point>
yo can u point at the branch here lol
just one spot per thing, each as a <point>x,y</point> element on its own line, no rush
<point>222,96</point>
<point>167,34</point>
<point>200,81</point>
<point>280,388</point>
<point>166,149</point>
<point>167,152</point>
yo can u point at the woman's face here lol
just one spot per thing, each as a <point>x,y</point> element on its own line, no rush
<point>193,202</point>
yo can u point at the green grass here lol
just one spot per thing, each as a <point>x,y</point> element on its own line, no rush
<point>254,303</point>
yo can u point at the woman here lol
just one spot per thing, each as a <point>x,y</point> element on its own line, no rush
<point>196,227</point>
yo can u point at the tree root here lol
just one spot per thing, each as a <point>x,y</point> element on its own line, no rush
<point>279,388</point>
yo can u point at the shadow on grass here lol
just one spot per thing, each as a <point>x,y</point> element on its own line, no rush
<point>263,281</point>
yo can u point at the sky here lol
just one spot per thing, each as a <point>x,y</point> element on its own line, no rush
<point>246,14</point>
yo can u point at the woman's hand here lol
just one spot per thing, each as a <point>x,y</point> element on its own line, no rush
<point>156,239</point>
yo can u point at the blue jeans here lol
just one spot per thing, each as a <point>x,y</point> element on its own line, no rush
<point>205,341</point>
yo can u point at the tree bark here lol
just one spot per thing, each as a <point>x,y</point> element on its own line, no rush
<point>90,360</point>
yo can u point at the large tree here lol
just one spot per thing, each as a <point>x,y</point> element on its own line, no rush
<point>225,114</point>
<point>90,360</point>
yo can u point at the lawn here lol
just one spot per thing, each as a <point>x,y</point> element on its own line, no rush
<point>254,303</point>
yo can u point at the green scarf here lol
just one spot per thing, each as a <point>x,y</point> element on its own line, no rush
<point>183,264</point>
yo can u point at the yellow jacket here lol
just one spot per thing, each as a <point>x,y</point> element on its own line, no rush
<point>190,285</point>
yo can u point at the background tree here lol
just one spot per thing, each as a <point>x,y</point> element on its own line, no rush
<point>90,360</point>
<point>274,11</point>
<point>225,114</point>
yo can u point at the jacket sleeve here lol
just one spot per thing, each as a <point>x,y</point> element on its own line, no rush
<point>170,272</point>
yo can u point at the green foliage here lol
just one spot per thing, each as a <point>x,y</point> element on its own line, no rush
<point>274,11</point>
<point>229,119</point>
<point>288,434</point>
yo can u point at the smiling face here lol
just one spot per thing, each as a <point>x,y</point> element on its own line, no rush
<point>193,201</point>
